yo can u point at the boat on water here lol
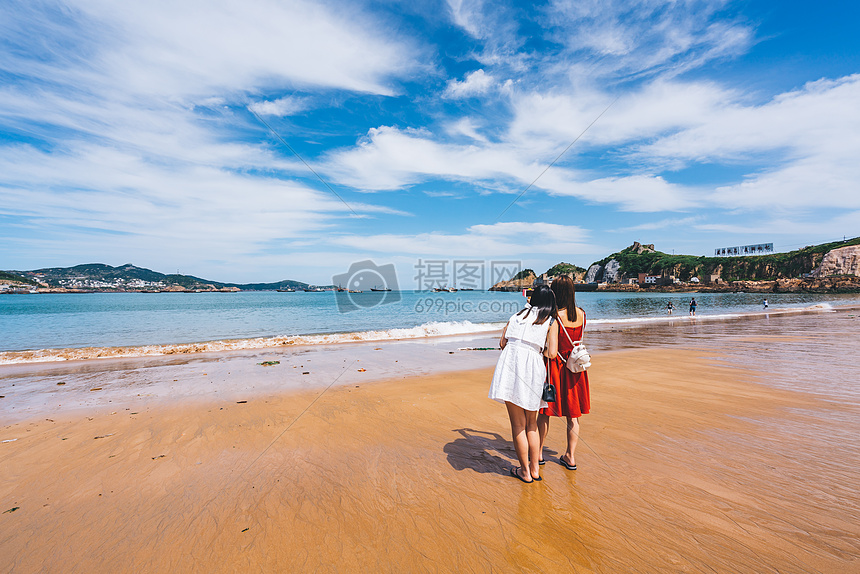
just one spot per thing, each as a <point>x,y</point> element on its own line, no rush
<point>19,291</point>
<point>313,289</point>
<point>287,290</point>
<point>377,288</point>
<point>445,289</point>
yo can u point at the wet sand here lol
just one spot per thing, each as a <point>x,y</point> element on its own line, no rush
<point>689,463</point>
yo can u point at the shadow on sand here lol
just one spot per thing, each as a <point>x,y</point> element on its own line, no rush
<point>482,451</point>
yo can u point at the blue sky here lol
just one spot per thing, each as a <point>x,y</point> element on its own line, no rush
<point>128,131</point>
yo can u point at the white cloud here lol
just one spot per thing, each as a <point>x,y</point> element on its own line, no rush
<point>596,41</point>
<point>391,159</point>
<point>496,25</point>
<point>132,104</point>
<point>281,107</point>
<point>154,80</point>
<point>808,136</point>
<point>657,108</point>
<point>642,193</point>
<point>633,37</point>
<point>187,207</point>
<point>474,84</point>
<point>818,227</point>
<point>507,239</point>
<point>802,119</point>
<point>467,15</point>
<point>197,48</point>
<point>468,128</point>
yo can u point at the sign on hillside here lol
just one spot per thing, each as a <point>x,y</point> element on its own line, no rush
<point>757,249</point>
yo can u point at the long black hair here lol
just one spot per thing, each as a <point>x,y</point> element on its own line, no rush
<point>565,296</point>
<point>542,301</point>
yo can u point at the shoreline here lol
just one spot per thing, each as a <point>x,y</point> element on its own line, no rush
<point>821,285</point>
<point>686,463</point>
<point>425,331</point>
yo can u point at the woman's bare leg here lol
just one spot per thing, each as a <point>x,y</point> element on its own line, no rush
<point>572,439</point>
<point>543,429</point>
<point>533,439</point>
<point>519,431</point>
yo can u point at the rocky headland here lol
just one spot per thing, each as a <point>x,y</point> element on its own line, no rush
<point>844,261</point>
<point>826,268</point>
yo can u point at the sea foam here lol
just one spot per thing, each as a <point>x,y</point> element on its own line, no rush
<point>431,329</point>
<point>425,330</point>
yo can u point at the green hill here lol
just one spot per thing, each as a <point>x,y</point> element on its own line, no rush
<point>564,269</point>
<point>129,277</point>
<point>524,274</point>
<point>749,268</point>
<point>13,278</point>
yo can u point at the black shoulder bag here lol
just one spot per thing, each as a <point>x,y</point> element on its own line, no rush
<point>548,394</point>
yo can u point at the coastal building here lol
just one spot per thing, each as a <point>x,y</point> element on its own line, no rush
<point>654,280</point>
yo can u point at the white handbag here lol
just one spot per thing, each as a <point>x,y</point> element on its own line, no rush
<point>579,359</point>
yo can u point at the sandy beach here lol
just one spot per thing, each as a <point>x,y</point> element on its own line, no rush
<point>693,460</point>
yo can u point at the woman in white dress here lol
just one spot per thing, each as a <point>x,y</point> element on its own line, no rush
<point>521,372</point>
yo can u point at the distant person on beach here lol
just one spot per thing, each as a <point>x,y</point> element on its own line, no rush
<point>520,374</point>
<point>573,397</point>
<point>764,303</point>
<point>670,307</point>
<point>693,307</point>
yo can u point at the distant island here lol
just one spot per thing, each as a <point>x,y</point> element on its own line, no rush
<point>825,268</point>
<point>96,277</point>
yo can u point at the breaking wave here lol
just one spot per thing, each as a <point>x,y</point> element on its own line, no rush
<point>682,315</point>
<point>431,329</point>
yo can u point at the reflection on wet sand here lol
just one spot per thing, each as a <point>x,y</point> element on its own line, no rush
<point>696,458</point>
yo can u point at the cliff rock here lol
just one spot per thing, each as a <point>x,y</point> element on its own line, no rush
<point>612,272</point>
<point>639,249</point>
<point>594,273</point>
<point>841,261</point>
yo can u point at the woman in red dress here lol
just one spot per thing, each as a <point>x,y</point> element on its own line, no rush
<point>571,388</point>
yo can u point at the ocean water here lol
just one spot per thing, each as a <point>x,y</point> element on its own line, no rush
<point>48,327</point>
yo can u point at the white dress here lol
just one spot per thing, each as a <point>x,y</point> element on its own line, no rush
<point>521,372</point>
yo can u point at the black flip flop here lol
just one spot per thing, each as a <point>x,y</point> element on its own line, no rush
<point>541,462</point>
<point>565,465</point>
<point>516,474</point>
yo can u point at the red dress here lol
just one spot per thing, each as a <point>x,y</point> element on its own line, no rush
<point>571,388</point>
